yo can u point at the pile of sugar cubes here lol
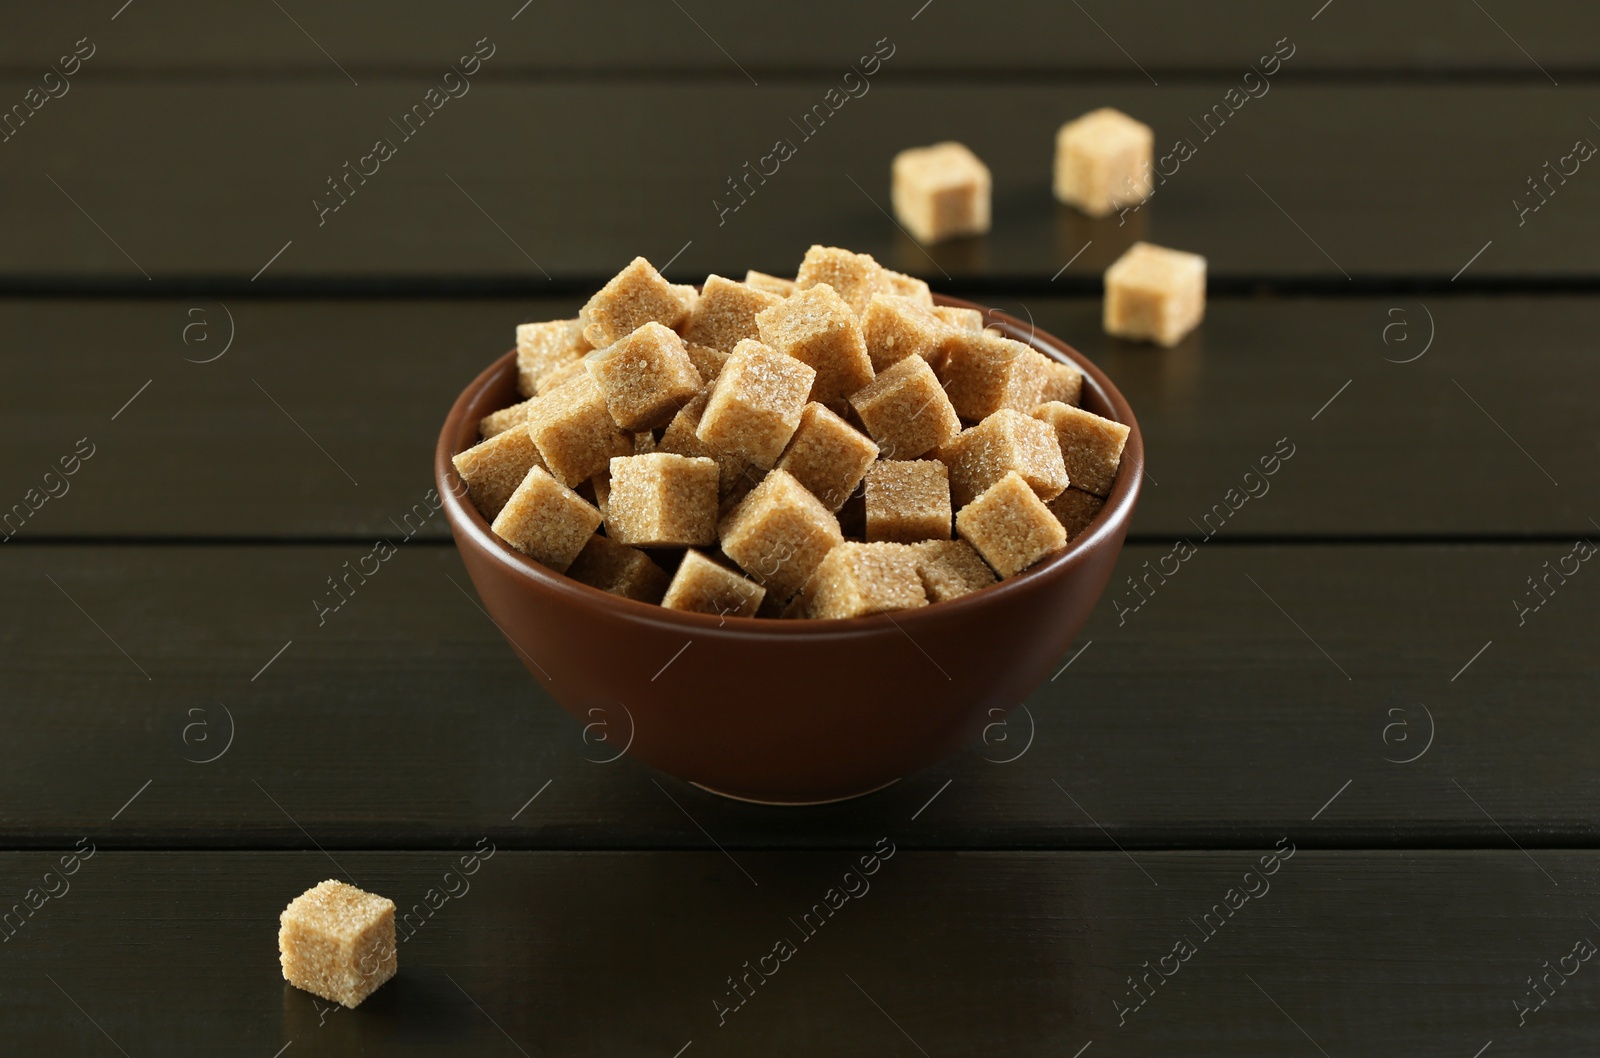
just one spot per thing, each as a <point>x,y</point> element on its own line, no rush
<point>788,448</point>
<point>1103,164</point>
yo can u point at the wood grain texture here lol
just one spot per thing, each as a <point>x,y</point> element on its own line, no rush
<point>515,182</point>
<point>941,953</point>
<point>1256,686</point>
<point>1456,443</point>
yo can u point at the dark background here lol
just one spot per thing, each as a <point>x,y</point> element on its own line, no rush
<point>1375,605</point>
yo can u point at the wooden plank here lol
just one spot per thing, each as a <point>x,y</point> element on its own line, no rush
<point>720,36</point>
<point>513,182</point>
<point>600,954</point>
<point>217,449</point>
<point>1258,687</point>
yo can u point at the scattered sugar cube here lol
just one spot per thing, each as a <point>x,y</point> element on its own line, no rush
<point>726,313</point>
<point>1006,442</point>
<point>778,533</point>
<point>855,277</point>
<point>574,431</point>
<point>816,327</point>
<point>950,569</point>
<point>908,501</point>
<point>859,579</point>
<point>771,284</point>
<point>1091,447</point>
<point>906,410</point>
<point>984,372</point>
<point>618,569</point>
<point>902,285</point>
<point>546,521</point>
<point>707,362</point>
<point>1075,509</point>
<point>500,421</point>
<point>756,403</point>
<point>828,456</point>
<point>337,942</point>
<point>662,500</point>
<point>493,469</point>
<point>1156,294</point>
<point>960,319</point>
<point>681,437</point>
<point>645,377</point>
<point>1010,526</point>
<point>705,586</point>
<point>543,347</point>
<point>635,296</point>
<point>940,192</point>
<point>897,327</point>
<point>1103,162</point>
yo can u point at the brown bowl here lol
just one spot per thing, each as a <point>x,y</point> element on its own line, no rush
<point>784,711</point>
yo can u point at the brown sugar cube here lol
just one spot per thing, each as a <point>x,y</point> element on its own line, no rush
<point>574,431</point>
<point>906,410</point>
<point>908,501</point>
<point>546,521</point>
<point>558,377</point>
<point>645,377</point>
<point>1010,526</point>
<point>1007,441</point>
<point>1155,294</point>
<point>896,327</point>
<point>951,569</point>
<point>771,284</point>
<point>1103,162</point>
<point>493,469</point>
<point>635,296</point>
<point>778,533</point>
<point>337,942</point>
<point>904,286</point>
<point>816,327</point>
<point>704,586</point>
<point>960,319</point>
<point>1063,382</point>
<point>940,192</point>
<point>662,500</point>
<point>600,487</point>
<point>828,456</point>
<point>726,313</point>
<point>497,422</point>
<point>984,372</point>
<point>681,437</point>
<point>1091,447</point>
<point>855,580</point>
<point>1075,509</point>
<point>707,362</point>
<point>855,277</point>
<point>756,402</point>
<point>543,347</point>
<point>618,569</point>
<point>644,442</point>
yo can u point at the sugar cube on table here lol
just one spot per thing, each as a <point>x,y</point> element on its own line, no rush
<point>704,586</point>
<point>940,192</point>
<point>546,521</point>
<point>984,372</point>
<point>817,327</point>
<point>645,377</point>
<point>1103,162</point>
<point>950,569</point>
<point>543,347</point>
<point>906,410</point>
<point>778,533</point>
<point>635,296</point>
<point>1091,446</point>
<point>855,277</point>
<point>492,469</point>
<point>1155,294</point>
<point>828,456</point>
<point>771,284</point>
<point>756,403</point>
<point>897,327</point>
<point>908,501</point>
<point>1007,441</point>
<point>725,315</point>
<point>337,942</point>
<point>662,500</point>
<point>1075,509</point>
<point>574,432</point>
<point>856,579</point>
<point>618,569</point>
<point>497,422</point>
<point>1010,526</point>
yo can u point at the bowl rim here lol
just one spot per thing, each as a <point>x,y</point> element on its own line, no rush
<point>1111,521</point>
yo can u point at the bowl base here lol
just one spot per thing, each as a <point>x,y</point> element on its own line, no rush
<point>791,804</point>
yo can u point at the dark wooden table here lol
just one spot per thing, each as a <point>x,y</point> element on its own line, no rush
<point>1356,667</point>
